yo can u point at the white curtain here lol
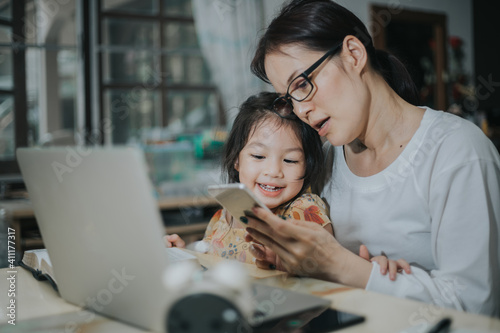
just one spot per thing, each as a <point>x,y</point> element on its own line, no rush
<point>227,31</point>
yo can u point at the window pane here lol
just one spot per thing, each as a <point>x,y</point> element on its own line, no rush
<point>50,22</point>
<point>7,131</point>
<point>187,68</point>
<point>51,95</point>
<point>5,34</point>
<point>130,111</point>
<point>5,59</point>
<point>67,68</point>
<point>184,61</point>
<point>133,66</point>
<point>131,6</point>
<point>180,36</point>
<point>192,110</point>
<point>6,68</point>
<point>136,33</point>
<point>178,8</point>
<point>6,9</point>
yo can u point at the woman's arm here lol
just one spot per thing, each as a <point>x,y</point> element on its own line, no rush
<point>308,249</point>
<point>464,203</point>
<point>465,243</point>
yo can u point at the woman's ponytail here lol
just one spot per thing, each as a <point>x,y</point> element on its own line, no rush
<point>396,75</point>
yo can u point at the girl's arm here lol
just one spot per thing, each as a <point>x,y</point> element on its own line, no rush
<point>386,264</point>
<point>174,240</point>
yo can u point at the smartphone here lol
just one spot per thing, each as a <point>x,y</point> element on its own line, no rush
<point>236,198</point>
<point>310,322</point>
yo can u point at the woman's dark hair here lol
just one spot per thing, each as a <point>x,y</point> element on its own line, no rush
<point>253,112</point>
<point>321,24</point>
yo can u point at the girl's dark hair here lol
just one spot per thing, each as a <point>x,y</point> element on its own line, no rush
<point>253,112</point>
<point>321,24</point>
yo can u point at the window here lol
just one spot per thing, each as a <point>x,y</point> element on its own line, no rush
<point>153,74</point>
<point>68,69</point>
<point>38,76</point>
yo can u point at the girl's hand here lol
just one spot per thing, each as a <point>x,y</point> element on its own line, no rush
<point>394,266</point>
<point>307,249</point>
<point>174,240</point>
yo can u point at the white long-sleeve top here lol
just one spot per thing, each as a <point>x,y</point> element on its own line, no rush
<point>437,206</point>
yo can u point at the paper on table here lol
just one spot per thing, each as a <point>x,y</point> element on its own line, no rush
<point>38,262</point>
<point>209,260</point>
<point>175,254</point>
<point>35,260</point>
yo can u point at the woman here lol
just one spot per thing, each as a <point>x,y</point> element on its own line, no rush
<point>408,182</point>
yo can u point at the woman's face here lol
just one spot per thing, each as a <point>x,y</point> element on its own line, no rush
<point>338,102</point>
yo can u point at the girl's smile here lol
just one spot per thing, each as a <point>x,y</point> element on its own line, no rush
<point>270,190</point>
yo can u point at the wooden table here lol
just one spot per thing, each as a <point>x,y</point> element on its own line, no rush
<point>40,307</point>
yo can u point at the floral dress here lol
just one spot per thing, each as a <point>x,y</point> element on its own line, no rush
<point>228,241</point>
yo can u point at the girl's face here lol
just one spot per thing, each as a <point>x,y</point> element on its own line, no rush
<point>336,107</point>
<point>272,163</point>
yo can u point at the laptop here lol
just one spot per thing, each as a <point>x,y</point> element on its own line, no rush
<point>101,225</point>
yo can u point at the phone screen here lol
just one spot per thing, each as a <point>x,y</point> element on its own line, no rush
<point>329,320</point>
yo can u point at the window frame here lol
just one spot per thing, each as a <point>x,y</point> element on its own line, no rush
<point>18,91</point>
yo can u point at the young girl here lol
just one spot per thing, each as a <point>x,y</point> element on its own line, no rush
<point>265,152</point>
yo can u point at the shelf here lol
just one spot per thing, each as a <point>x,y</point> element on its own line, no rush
<point>18,209</point>
<point>23,209</point>
<point>181,202</point>
<point>21,217</point>
<point>33,243</point>
<point>187,229</point>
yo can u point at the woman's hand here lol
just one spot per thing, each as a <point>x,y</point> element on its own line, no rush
<point>174,240</point>
<point>265,257</point>
<point>307,249</point>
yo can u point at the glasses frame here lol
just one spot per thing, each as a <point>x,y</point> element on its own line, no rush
<point>287,98</point>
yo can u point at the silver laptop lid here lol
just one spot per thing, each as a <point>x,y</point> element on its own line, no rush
<point>102,229</point>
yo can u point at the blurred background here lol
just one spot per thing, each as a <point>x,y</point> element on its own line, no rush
<point>168,75</point>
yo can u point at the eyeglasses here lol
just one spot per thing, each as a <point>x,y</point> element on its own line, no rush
<point>300,88</point>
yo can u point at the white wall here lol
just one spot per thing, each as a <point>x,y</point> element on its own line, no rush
<point>458,12</point>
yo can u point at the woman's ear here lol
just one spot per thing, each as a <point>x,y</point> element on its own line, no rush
<point>237,165</point>
<point>354,53</point>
